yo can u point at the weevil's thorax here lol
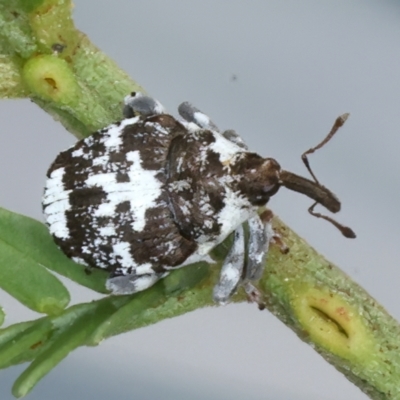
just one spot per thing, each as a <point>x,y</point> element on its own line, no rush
<point>204,193</point>
<point>256,178</point>
<point>215,185</point>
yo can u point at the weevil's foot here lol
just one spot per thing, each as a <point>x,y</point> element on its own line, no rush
<point>272,235</point>
<point>254,295</point>
<point>277,240</point>
<point>137,103</point>
<point>234,137</point>
<point>192,114</point>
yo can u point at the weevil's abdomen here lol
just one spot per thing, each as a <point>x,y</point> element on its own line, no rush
<point>105,200</point>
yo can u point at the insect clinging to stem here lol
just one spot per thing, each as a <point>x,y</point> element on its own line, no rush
<point>153,193</point>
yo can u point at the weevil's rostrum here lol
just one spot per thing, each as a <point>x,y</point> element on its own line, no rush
<point>153,193</point>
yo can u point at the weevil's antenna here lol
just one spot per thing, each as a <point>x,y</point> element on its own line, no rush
<point>346,231</point>
<point>337,124</point>
<point>314,189</point>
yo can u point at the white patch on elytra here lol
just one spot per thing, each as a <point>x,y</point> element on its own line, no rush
<point>56,203</point>
<point>141,181</point>
<point>205,206</point>
<point>237,209</point>
<point>59,229</point>
<point>77,153</point>
<point>158,128</point>
<point>79,260</point>
<point>54,194</point>
<point>208,224</point>
<point>122,251</point>
<point>112,139</point>
<point>105,210</point>
<point>180,185</point>
<point>107,231</point>
<point>102,160</point>
<point>56,177</point>
<point>105,181</point>
<point>142,269</point>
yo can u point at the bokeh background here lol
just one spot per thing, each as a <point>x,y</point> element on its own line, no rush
<point>279,72</point>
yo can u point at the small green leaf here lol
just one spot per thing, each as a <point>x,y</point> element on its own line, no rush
<point>129,314</point>
<point>31,238</point>
<point>24,341</point>
<point>180,280</point>
<point>76,334</point>
<point>56,325</point>
<point>139,309</point>
<point>9,334</point>
<point>29,282</point>
<point>21,274</point>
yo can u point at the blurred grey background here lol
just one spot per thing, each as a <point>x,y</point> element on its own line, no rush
<point>279,72</point>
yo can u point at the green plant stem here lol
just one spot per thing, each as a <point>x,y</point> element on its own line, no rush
<point>83,89</point>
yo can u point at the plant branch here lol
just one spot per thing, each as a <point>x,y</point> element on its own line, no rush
<point>45,58</point>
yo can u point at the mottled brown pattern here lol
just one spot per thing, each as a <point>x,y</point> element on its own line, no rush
<point>202,178</point>
<point>160,242</point>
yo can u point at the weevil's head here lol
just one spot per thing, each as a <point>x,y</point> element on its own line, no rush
<point>258,178</point>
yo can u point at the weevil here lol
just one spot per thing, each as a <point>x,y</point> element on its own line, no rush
<point>153,193</point>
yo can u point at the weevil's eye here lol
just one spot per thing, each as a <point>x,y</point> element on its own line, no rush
<point>269,188</point>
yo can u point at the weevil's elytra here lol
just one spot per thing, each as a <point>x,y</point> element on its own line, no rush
<point>153,193</point>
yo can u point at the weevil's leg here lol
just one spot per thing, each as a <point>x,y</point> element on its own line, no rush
<point>258,248</point>
<point>232,269</point>
<point>137,103</point>
<point>234,137</point>
<point>261,234</point>
<point>254,295</point>
<point>272,236</point>
<point>192,114</point>
<point>132,283</point>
